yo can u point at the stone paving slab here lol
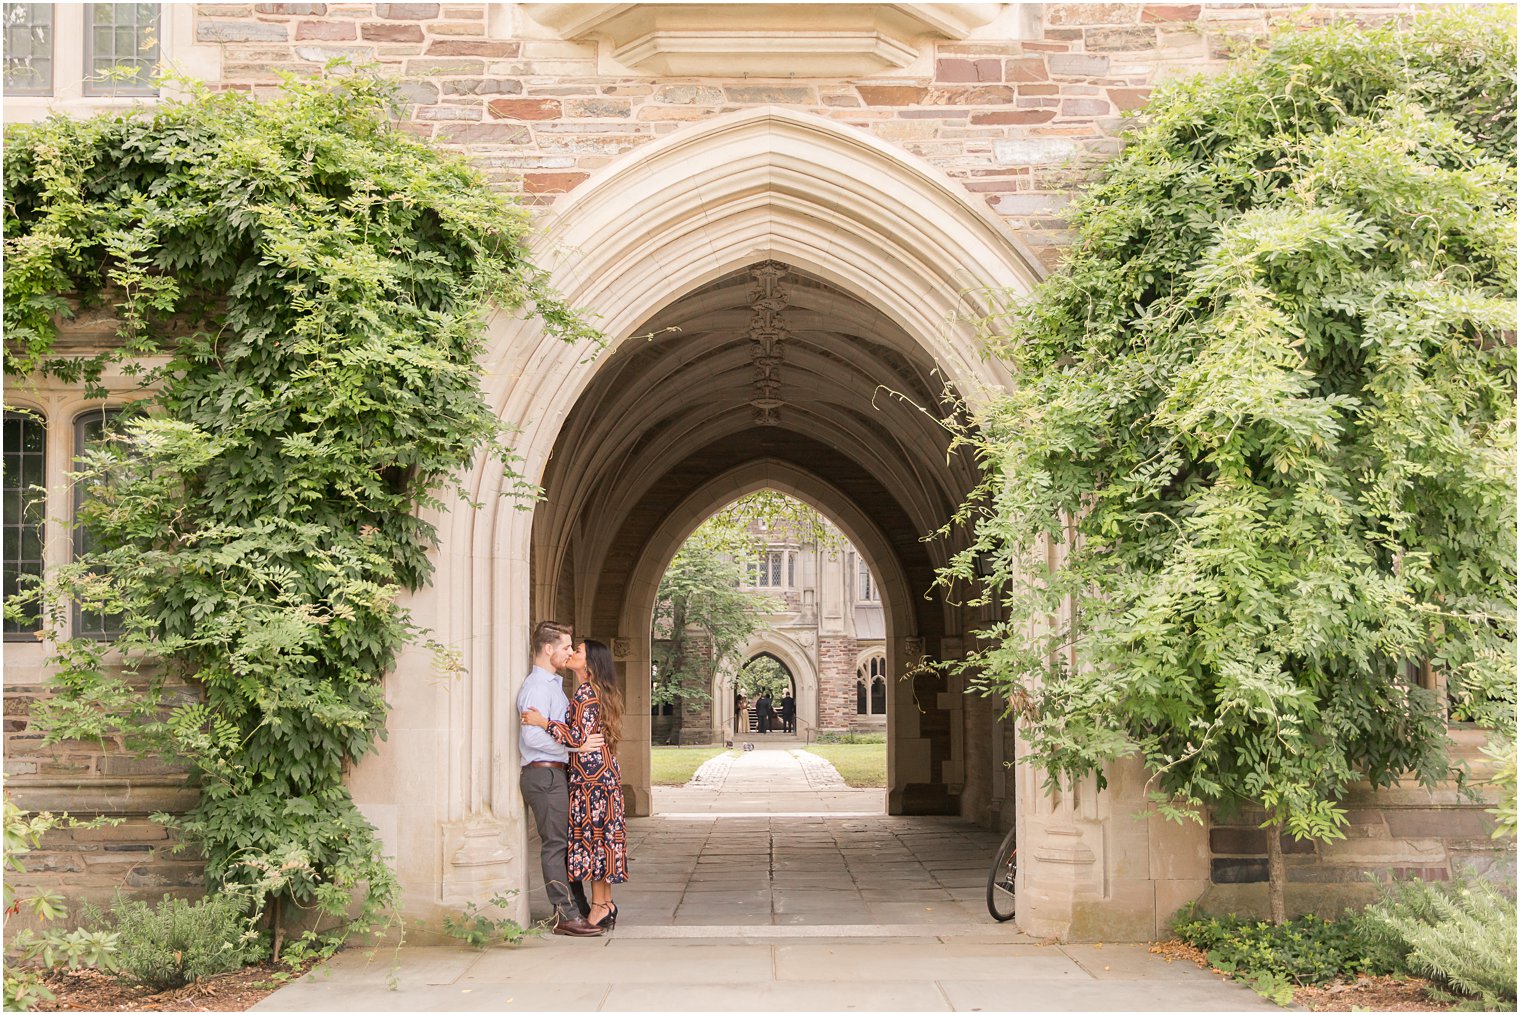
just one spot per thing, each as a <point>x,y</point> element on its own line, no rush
<point>781,997</point>
<point>633,962</point>
<point>874,961</point>
<point>791,901</point>
<point>1069,995</point>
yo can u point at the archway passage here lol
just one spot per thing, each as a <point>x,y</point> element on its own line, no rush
<point>825,286</point>
<point>748,717</point>
<point>769,376</point>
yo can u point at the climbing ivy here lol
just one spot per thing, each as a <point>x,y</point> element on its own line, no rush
<point>1265,414</point>
<point>302,288</point>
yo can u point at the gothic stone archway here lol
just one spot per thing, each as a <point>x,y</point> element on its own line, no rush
<point>881,263</point>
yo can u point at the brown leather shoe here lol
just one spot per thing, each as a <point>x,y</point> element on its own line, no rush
<point>576,927</point>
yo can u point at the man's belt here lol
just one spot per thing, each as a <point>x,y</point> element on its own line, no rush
<point>545,764</point>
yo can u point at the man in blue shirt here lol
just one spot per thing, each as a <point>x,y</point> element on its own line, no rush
<point>544,785</point>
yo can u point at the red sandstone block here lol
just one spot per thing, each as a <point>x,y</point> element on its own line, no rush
<point>525,109</point>
<point>968,70</point>
<point>378,31</point>
<point>331,31</point>
<point>891,95</point>
<point>987,95</point>
<point>1026,68</point>
<point>1129,98</point>
<point>1018,116</point>
<point>1170,12</point>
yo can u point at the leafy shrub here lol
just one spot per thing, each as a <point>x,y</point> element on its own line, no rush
<point>1461,933</point>
<point>478,930</point>
<point>176,942</point>
<point>1302,952</point>
<point>24,988</point>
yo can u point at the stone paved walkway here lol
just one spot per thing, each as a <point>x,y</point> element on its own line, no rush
<point>758,888</point>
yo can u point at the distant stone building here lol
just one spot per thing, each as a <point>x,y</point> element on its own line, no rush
<point>829,636</point>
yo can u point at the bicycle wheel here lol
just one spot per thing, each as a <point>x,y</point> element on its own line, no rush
<point>1000,879</point>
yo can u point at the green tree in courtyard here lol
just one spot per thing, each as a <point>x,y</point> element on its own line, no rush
<point>764,675</point>
<point>703,615</point>
<point>1266,414</point>
<point>311,283</point>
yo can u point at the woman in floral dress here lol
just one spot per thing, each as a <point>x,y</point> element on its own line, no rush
<point>598,848</point>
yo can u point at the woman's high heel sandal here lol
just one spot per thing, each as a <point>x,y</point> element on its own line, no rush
<point>610,920</point>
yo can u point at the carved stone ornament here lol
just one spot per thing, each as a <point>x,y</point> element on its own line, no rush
<point>736,40</point>
<point>622,648</point>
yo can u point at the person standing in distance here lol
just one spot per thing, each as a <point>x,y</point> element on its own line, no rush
<point>544,785</point>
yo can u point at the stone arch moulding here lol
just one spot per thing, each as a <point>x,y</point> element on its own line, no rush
<point>791,655</point>
<point>760,183</point>
<point>858,528</point>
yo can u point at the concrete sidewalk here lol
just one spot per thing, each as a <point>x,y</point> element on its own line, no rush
<point>897,969</point>
<point>764,886</point>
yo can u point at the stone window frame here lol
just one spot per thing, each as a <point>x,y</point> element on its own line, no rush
<point>149,42</point>
<point>31,516</point>
<point>778,561</point>
<point>178,51</point>
<point>61,407</point>
<point>14,26</point>
<point>95,626</point>
<point>867,588</point>
<point>871,673</point>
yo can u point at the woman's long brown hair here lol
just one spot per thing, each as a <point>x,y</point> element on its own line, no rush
<point>604,679</point>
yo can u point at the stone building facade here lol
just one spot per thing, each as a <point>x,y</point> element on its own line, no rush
<point>827,631</point>
<point>895,172</point>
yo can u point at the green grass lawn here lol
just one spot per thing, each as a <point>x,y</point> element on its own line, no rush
<point>674,766</point>
<point>863,766</point>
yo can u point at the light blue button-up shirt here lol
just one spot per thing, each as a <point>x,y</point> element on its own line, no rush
<point>544,691</point>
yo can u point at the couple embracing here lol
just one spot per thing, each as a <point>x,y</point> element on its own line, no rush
<point>570,776</point>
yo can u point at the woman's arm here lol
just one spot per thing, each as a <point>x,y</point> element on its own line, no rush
<point>572,731</point>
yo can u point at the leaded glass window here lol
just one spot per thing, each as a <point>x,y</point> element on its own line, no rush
<point>869,593</point>
<point>90,430</point>
<point>28,40</point>
<point>25,471</point>
<point>121,48</point>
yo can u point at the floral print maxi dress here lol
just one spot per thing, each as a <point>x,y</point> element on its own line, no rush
<point>598,826</point>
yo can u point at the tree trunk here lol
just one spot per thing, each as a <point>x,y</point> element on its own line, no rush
<point>277,918</point>
<point>1277,873</point>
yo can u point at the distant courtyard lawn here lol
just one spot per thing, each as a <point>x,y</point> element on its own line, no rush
<point>863,766</point>
<point>674,766</point>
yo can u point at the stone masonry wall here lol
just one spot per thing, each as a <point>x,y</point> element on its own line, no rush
<point>89,778</point>
<point>1020,124</point>
<point>836,682</point>
<point>1397,833</point>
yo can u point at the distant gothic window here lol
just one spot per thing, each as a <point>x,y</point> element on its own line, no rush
<point>871,686</point>
<point>25,511</point>
<point>869,593</point>
<point>766,572</point>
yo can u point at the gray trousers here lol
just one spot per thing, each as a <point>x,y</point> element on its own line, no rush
<point>548,797</point>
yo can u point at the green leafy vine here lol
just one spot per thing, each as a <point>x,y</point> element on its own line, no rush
<point>301,287</point>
